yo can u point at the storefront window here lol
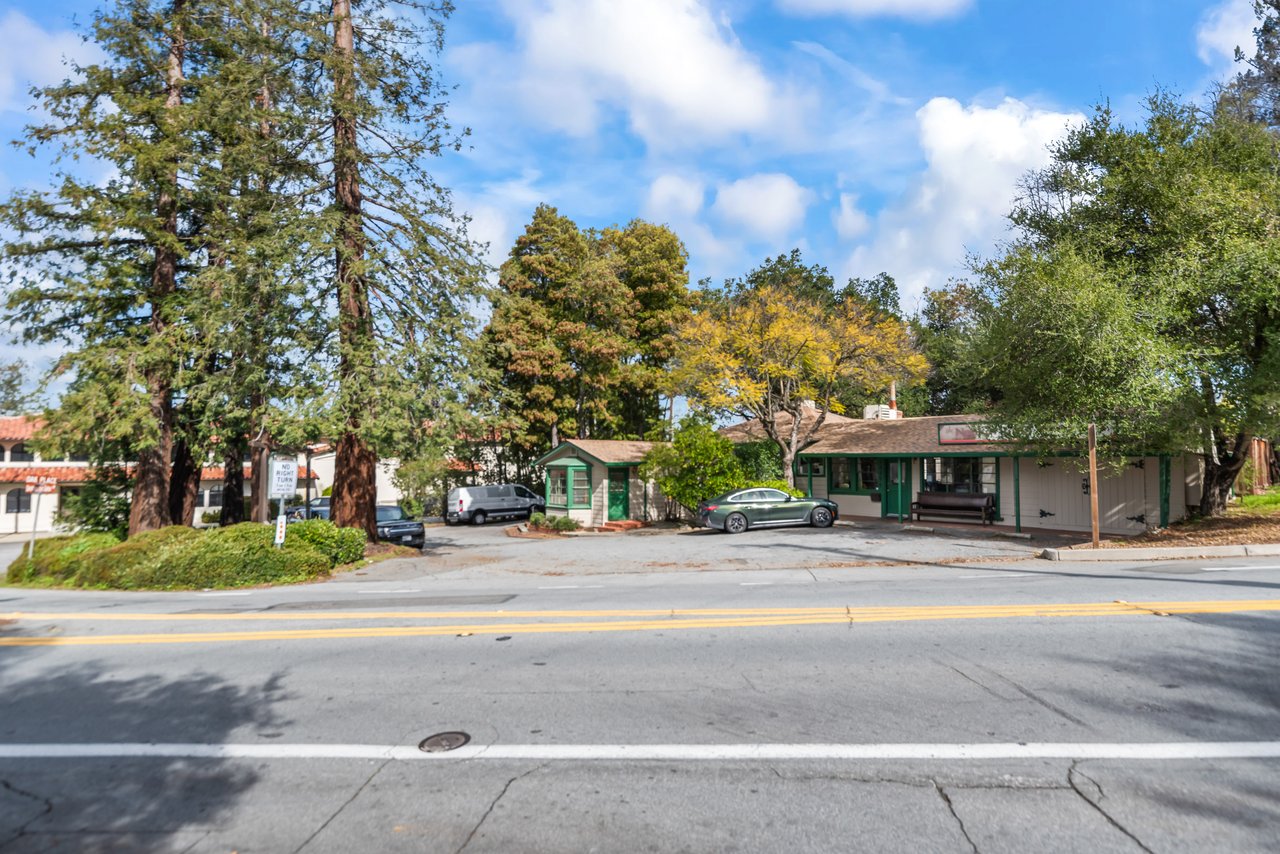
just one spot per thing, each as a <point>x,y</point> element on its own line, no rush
<point>868,475</point>
<point>17,501</point>
<point>960,474</point>
<point>840,478</point>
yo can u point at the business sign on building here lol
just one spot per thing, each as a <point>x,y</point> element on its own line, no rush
<point>41,484</point>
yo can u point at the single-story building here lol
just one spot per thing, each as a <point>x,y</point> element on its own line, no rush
<point>875,468</point>
<point>597,480</point>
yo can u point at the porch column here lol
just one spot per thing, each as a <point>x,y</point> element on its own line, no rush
<point>1017,494</point>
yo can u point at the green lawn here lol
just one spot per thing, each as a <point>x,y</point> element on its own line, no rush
<point>1268,500</point>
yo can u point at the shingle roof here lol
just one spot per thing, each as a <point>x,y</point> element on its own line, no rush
<point>19,428</point>
<point>905,436</point>
<point>614,450</point>
<point>752,431</point>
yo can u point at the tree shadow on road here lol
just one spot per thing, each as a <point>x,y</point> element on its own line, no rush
<point>144,804</point>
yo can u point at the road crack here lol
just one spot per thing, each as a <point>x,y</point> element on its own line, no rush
<point>969,678</point>
<point>946,799</point>
<point>1072,773</point>
<point>23,793</point>
<point>500,796</point>
<point>345,804</point>
<point>1033,697</point>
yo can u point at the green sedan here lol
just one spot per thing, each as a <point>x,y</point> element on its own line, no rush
<point>736,511</point>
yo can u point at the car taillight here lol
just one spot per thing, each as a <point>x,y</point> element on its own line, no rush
<point>459,503</point>
<point>711,507</point>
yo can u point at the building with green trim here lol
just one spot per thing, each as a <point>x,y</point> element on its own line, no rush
<point>875,468</point>
<point>597,480</point>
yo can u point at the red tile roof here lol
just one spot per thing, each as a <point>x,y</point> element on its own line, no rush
<point>19,428</point>
<point>64,474</point>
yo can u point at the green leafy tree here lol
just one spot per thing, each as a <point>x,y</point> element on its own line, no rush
<point>944,329</point>
<point>16,397</point>
<point>1144,291</point>
<point>697,465</point>
<point>584,325</point>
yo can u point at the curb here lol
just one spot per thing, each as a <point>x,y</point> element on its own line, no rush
<point>1172,553</point>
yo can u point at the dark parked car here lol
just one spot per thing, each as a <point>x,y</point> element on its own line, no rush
<point>397,526</point>
<point>317,509</point>
<point>735,512</point>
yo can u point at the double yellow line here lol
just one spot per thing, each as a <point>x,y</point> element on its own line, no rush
<point>536,622</point>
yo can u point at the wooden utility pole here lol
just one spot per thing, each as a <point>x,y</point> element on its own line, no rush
<point>1093,481</point>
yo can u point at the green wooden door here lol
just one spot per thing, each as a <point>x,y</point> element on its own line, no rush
<point>619,495</point>
<point>895,486</point>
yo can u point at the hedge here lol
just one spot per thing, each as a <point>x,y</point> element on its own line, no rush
<point>56,558</point>
<point>179,557</point>
<point>238,556</point>
<point>340,545</point>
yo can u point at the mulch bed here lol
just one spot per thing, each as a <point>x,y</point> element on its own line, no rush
<point>1240,527</point>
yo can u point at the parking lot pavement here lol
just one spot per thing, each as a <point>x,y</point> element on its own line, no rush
<point>489,550</point>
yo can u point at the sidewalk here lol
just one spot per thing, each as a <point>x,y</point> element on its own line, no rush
<point>1160,553</point>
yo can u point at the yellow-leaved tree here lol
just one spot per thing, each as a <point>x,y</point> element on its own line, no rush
<point>766,352</point>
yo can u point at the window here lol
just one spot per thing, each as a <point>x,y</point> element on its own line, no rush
<point>19,454</point>
<point>855,475</point>
<point>960,474</point>
<point>868,476</point>
<point>581,487</point>
<point>818,467</point>
<point>215,497</point>
<point>17,501</point>
<point>771,495</point>
<point>557,493</point>
<point>524,493</point>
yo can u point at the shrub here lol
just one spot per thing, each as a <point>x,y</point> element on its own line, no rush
<point>238,556</point>
<point>339,545</point>
<point>775,484</point>
<point>698,464</point>
<point>110,566</point>
<point>57,558</point>
<point>564,523</point>
<point>537,520</point>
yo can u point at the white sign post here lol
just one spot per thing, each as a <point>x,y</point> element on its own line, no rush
<point>40,485</point>
<point>284,484</point>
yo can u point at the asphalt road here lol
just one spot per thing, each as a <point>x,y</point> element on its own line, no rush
<point>1007,705</point>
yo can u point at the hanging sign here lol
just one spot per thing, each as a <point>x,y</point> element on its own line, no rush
<point>42,484</point>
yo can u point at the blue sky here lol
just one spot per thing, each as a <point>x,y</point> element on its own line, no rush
<point>873,134</point>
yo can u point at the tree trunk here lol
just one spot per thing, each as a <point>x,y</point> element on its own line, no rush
<point>232,486</point>
<point>259,502</point>
<point>355,494</point>
<point>184,485</point>
<point>788,467</point>
<point>149,506</point>
<point>1220,475</point>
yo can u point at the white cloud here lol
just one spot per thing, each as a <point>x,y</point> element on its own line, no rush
<point>870,8</point>
<point>680,75</point>
<point>1222,29</point>
<point>769,205</point>
<point>35,58</point>
<point>674,197</point>
<point>975,156</point>
<point>850,221</point>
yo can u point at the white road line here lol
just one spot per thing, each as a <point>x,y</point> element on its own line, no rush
<point>663,752</point>
<point>1236,568</point>
<point>397,590</point>
<point>754,583</point>
<point>574,587</point>
<point>228,593</point>
<point>999,575</point>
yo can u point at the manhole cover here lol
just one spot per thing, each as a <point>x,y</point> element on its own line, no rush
<point>443,741</point>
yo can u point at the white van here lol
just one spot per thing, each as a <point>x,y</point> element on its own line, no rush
<point>478,504</point>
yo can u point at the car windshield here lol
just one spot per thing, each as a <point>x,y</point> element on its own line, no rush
<point>391,514</point>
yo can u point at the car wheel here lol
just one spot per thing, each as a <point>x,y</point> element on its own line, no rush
<point>478,517</point>
<point>821,517</point>
<point>736,523</point>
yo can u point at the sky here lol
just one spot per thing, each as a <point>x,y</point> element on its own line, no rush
<point>873,135</point>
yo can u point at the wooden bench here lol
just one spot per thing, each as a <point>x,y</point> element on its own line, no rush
<point>980,506</point>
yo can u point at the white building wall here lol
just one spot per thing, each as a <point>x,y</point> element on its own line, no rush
<point>852,505</point>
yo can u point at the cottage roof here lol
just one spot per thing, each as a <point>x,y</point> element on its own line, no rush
<point>607,451</point>
<point>900,437</point>
<point>753,431</point>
